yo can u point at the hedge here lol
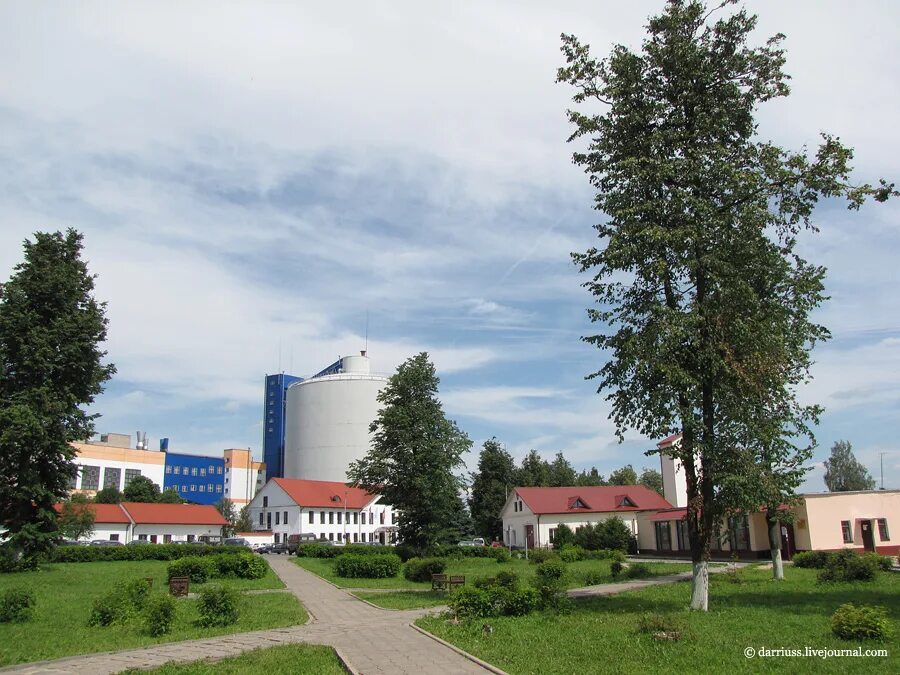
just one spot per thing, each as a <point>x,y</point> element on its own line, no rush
<point>421,569</point>
<point>138,552</point>
<point>314,550</point>
<point>202,568</point>
<point>367,566</point>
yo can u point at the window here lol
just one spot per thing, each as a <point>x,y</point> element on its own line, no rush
<point>194,471</point>
<point>142,537</point>
<point>268,521</point>
<point>73,480</point>
<point>284,518</point>
<point>321,517</point>
<point>339,517</point>
<point>220,471</point>
<point>168,469</point>
<point>193,488</point>
<point>393,517</point>
<point>191,537</point>
<point>277,518</point>
<point>331,517</point>
<point>681,534</point>
<point>202,488</point>
<point>312,517</point>
<point>219,487</point>
<point>738,533</point>
<point>355,518</point>
<point>111,477</point>
<point>371,518</point>
<point>265,501</point>
<point>177,470</point>
<point>184,488</point>
<point>331,536</point>
<point>847,531</point>
<point>167,538</point>
<point>355,537</point>
<point>212,470</point>
<point>202,471</point>
<point>883,530</point>
<point>260,518</point>
<point>114,537</point>
<point>209,487</point>
<point>664,536</point>
<point>277,538</point>
<point>381,518</point>
<point>340,536</point>
<point>552,534</point>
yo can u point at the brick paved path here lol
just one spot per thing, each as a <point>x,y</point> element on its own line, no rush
<point>373,641</point>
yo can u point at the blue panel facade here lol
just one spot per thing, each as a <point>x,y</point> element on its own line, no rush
<point>197,478</point>
<point>275,400</point>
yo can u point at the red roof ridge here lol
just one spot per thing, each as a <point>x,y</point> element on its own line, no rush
<point>597,499</point>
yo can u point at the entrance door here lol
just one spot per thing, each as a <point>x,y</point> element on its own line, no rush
<point>867,537</point>
<point>788,545</point>
<point>529,535</point>
<point>152,538</point>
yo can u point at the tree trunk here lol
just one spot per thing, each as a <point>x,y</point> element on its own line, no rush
<point>775,547</point>
<point>700,586</point>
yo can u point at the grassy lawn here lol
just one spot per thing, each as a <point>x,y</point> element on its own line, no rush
<point>298,659</point>
<point>758,613</point>
<point>64,593</point>
<point>483,567</point>
<point>404,599</point>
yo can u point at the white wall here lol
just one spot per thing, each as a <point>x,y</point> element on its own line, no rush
<point>674,481</point>
<point>106,531</point>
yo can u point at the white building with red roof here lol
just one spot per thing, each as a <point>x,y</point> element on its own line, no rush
<point>155,523</point>
<point>532,514</point>
<point>324,510</point>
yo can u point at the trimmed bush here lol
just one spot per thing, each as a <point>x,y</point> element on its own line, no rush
<point>848,566</point>
<point>552,570</point>
<point>16,604</point>
<point>138,552</point>
<point>493,600</point>
<point>159,614</point>
<point>367,566</point>
<point>198,569</point>
<point>571,553</point>
<point>217,606</point>
<point>541,555</point>
<point>362,549</point>
<point>863,622</point>
<point>508,579</point>
<point>611,534</point>
<point>637,570</point>
<point>811,559</point>
<point>502,555</point>
<point>318,551</point>
<point>243,566</point>
<point>421,569</point>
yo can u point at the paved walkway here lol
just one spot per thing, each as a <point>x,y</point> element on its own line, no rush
<point>637,584</point>
<point>373,641</point>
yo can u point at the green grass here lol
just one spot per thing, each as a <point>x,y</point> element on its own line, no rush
<point>64,593</point>
<point>404,599</point>
<point>758,613</point>
<point>296,659</point>
<point>481,567</point>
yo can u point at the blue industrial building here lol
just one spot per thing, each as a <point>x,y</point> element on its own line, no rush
<point>197,478</point>
<point>273,421</point>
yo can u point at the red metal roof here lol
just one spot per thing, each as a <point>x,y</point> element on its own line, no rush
<point>173,514</point>
<point>105,513</point>
<point>323,493</point>
<point>668,440</point>
<point>670,514</point>
<point>596,499</point>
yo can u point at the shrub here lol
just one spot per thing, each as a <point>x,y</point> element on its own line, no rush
<point>421,569</point>
<point>883,562</point>
<point>848,566</point>
<point>541,555</point>
<point>563,537</point>
<point>125,599</point>
<point>514,601</point>
<point>138,552</point>
<point>318,551</point>
<point>134,593</point>
<point>811,559</point>
<point>16,604</point>
<point>549,580</point>
<point>637,570</point>
<point>552,570</point>
<point>217,606</point>
<point>616,568</point>
<point>105,610</point>
<point>198,569</point>
<point>367,566</point>
<point>484,582</point>
<point>243,566</point>
<point>361,549</point>
<point>502,555</point>
<point>470,602</point>
<point>508,579</point>
<point>593,577</point>
<point>571,553</point>
<point>405,551</point>
<point>863,622</point>
<point>159,614</point>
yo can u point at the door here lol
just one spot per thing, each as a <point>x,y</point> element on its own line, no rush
<point>788,546</point>
<point>529,535</point>
<point>867,537</point>
<point>152,538</point>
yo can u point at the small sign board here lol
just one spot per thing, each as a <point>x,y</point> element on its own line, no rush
<point>179,586</point>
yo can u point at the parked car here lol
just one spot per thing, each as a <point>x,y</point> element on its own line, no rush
<point>236,541</point>
<point>106,542</point>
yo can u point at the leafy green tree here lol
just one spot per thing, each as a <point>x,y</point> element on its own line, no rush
<point>226,507</point>
<point>590,478</point>
<point>51,369</point>
<point>491,484</point>
<point>624,476</point>
<point>563,536</point>
<point>534,471</point>
<point>76,518</point>
<point>704,301</point>
<point>244,523</point>
<point>651,478</point>
<point>108,495</point>
<point>414,453</point>
<point>170,496</point>
<point>843,472</point>
<point>141,489</point>
<point>560,473</point>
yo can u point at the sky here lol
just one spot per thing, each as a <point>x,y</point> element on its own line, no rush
<point>259,184</point>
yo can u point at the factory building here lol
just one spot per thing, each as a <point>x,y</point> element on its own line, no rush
<point>327,419</point>
<point>201,479</point>
<point>273,422</point>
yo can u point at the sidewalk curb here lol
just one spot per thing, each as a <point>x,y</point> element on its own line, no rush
<point>472,658</point>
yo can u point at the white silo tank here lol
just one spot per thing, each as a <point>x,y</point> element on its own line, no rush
<point>327,421</point>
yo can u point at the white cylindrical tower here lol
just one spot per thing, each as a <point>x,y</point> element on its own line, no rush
<point>327,421</point>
